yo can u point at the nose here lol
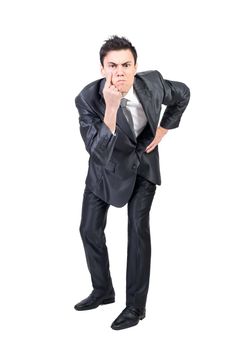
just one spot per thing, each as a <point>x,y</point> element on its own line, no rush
<point>119,70</point>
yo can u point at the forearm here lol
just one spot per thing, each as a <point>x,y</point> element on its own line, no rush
<point>176,98</point>
<point>110,118</point>
<point>162,131</point>
<point>98,139</point>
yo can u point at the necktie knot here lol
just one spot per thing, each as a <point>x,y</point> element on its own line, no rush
<point>123,102</point>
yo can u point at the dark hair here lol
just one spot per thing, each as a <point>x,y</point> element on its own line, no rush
<point>116,43</point>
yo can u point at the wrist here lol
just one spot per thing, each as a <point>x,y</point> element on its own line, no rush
<point>111,110</point>
<point>163,130</point>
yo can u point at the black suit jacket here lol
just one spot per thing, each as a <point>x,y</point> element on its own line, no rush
<point>115,161</point>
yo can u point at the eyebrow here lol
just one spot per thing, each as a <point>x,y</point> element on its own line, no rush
<point>122,63</point>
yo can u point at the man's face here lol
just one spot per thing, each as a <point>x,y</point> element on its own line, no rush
<point>121,64</point>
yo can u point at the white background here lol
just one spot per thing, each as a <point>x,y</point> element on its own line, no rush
<point>49,52</point>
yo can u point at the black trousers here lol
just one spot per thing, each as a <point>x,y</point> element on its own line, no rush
<point>92,226</point>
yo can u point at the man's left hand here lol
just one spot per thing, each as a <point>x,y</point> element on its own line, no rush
<point>160,132</point>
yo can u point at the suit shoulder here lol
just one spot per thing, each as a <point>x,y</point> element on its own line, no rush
<point>89,90</point>
<point>149,74</point>
<point>151,79</point>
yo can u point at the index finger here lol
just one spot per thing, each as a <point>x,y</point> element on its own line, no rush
<point>108,79</point>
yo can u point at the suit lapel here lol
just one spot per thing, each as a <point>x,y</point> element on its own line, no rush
<point>144,95</point>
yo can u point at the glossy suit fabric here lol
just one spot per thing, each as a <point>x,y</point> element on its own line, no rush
<point>115,161</point>
<point>120,173</point>
<point>92,227</point>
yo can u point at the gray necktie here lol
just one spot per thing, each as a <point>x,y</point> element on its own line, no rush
<point>127,113</point>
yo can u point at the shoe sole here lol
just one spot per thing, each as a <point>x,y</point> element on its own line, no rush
<point>108,301</point>
<point>104,302</point>
<point>132,325</point>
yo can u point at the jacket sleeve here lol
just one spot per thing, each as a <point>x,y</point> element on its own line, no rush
<point>98,139</point>
<point>176,98</point>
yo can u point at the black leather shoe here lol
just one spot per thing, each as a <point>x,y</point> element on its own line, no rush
<point>93,301</point>
<point>129,317</point>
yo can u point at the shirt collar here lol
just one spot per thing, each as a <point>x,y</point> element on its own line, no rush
<point>131,95</point>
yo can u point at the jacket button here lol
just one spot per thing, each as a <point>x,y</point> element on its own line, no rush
<point>134,166</point>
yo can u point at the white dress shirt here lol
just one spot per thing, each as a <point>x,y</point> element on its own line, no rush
<point>138,114</point>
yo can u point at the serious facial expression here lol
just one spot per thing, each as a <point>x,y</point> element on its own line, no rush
<point>121,64</point>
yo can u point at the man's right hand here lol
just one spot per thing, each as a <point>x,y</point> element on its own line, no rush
<point>112,95</point>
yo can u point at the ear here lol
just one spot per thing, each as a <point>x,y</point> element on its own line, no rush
<point>136,66</point>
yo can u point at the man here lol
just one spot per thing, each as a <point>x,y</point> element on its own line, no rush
<point>119,117</point>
